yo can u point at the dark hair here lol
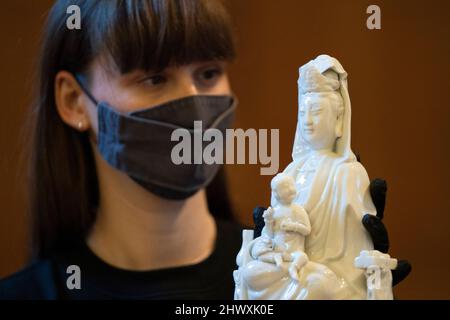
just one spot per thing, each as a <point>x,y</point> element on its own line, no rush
<point>144,34</point>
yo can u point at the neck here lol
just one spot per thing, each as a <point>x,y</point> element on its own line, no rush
<point>321,152</point>
<point>138,230</point>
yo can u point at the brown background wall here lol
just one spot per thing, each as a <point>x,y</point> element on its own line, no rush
<point>399,86</point>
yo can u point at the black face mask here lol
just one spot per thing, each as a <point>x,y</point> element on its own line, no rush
<point>139,142</point>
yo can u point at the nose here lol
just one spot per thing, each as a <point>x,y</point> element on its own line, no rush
<point>307,120</point>
<point>186,85</point>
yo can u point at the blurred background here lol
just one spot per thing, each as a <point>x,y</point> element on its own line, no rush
<point>399,83</point>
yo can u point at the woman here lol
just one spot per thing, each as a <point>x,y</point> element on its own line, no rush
<point>112,216</point>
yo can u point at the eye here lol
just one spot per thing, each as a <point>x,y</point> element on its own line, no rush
<point>316,111</point>
<point>154,80</point>
<point>209,76</point>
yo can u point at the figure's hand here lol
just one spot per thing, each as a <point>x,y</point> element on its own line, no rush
<point>268,222</point>
<point>299,259</point>
<point>290,226</point>
<point>294,226</point>
<point>268,214</point>
<point>375,226</point>
<point>262,245</point>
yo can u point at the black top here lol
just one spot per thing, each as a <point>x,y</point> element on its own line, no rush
<point>210,279</point>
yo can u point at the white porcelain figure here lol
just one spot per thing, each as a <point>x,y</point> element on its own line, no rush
<point>313,244</point>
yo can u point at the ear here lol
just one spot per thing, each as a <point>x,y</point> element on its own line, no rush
<point>70,102</point>
<point>339,125</point>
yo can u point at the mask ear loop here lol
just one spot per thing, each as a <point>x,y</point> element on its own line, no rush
<point>81,80</point>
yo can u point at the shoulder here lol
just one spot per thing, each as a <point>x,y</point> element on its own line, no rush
<point>36,281</point>
<point>353,171</point>
<point>351,166</point>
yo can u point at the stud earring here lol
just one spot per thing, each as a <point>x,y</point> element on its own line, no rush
<point>80,125</point>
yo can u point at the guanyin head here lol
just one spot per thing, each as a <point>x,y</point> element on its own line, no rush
<point>321,108</point>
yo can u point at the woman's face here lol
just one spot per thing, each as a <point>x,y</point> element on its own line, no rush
<point>318,121</point>
<point>138,89</point>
